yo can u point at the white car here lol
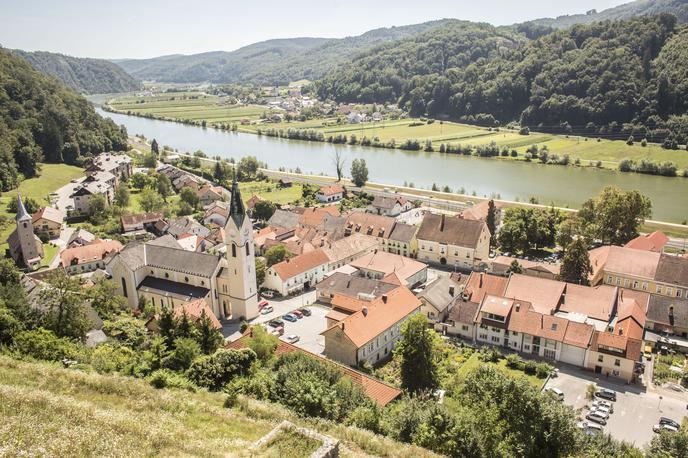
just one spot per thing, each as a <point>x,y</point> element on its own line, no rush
<point>664,427</point>
<point>597,417</point>
<point>601,403</point>
<point>556,392</point>
<point>589,428</point>
<point>292,338</point>
<point>604,409</point>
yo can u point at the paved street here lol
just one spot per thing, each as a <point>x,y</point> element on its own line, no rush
<point>635,411</point>
<point>63,200</point>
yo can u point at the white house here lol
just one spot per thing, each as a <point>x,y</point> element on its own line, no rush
<point>298,273</point>
<point>329,194</point>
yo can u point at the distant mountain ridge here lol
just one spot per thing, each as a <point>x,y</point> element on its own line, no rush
<point>269,62</point>
<point>85,75</point>
<point>678,8</point>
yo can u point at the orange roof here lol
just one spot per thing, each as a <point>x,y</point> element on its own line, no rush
<point>95,251</point>
<point>376,390</point>
<point>478,212</point>
<point>496,305</point>
<point>626,261</point>
<point>543,293</point>
<point>630,346</point>
<point>253,201</point>
<point>378,316</point>
<point>195,309</point>
<point>299,264</point>
<point>540,266</point>
<point>649,242</point>
<point>389,263</point>
<point>595,302</point>
<point>314,216</point>
<point>370,224</point>
<point>336,316</point>
<point>631,319</point>
<point>578,334</point>
<point>49,213</point>
<point>347,303</point>
<point>480,284</point>
<point>331,190</point>
<point>526,320</point>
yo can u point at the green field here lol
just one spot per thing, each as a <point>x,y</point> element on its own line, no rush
<point>46,410</point>
<point>270,191</point>
<point>53,176</point>
<point>196,106</point>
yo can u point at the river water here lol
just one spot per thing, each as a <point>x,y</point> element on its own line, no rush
<point>510,180</point>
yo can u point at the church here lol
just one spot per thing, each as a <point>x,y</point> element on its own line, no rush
<point>25,247</point>
<point>168,276</point>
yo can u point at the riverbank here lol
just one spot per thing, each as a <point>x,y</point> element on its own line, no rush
<point>415,134</point>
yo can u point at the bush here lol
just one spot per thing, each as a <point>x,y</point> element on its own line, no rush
<point>530,367</point>
<point>185,351</point>
<point>107,358</point>
<point>44,344</point>
<point>543,370</point>
<point>489,355</point>
<point>165,378</point>
<point>216,370</point>
<point>513,361</point>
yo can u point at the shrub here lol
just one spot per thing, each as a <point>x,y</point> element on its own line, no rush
<point>543,370</point>
<point>513,361</point>
<point>165,378</point>
<point>216,370</point>
<point>489,355</point>
<point>365,417</point>
<point>44,344</point>
<point>185,351</point>
<point>530,367</point>
<point>590,391</point>
<point>107,358</point>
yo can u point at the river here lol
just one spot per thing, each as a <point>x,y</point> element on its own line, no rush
<point>510,180</point>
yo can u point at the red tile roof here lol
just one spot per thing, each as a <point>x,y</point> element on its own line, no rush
<point>194,310</point>
<point>330,190</point>
<point>480,284</point>
<point>49,213</point>
<point>544,294</point>
<point>299,264</point>
<point>649,242</point>
<point>99,249</point>
<point>378,391</point>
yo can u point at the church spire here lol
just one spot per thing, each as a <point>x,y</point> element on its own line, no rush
<point>22,214</point>
<point>236,205</point>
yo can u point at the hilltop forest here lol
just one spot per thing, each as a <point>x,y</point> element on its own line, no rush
<point>42,120</point>
<point>612,78</point>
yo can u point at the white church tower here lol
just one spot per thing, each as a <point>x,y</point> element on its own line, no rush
<point>239,279</point>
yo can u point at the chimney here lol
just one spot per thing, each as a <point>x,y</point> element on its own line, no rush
<point>348,284</point>
<point>518,306</point>
<point>384,298</point>
<point>621,295</point>
<point>364,310</point>
<point>480,285</point>
<point>451,291</point>
<point>342,326</point>
<point>620,331</point>
<point>442,223</point>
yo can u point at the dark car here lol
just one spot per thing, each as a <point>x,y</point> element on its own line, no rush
<point>606,394</point>
<point>290,317</point>
<point>669,421</point>
<point>305,311</point>
<point>276,323</point>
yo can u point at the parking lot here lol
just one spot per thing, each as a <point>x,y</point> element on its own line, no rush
<point>635,410</point>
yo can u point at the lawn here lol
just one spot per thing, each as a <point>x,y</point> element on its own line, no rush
<point>53,176</point>
<point>49,252</point>
<point>46,410</point>
<point>271,192</point>
<point>474,363</point>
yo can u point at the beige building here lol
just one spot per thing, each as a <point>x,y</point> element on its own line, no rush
<point>87,258</point>
<point>380,264</point>
<point>296,274</point>
<point>117,164</point>
<point>48,222</point>
<point>453,241</point>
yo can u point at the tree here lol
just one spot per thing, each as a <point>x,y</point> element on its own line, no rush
<point>139,180</point>
<point>150,201</point>
<point>44,344</point>
<point>614,216</point>
<point>513,236</point>
<point>263,344</point>
<point>275,254</point>
<point>150,160</point>
<point>209,338</point>
<point>670,444</point>
<point>185,328</point>
<point>63,299</point>
<point>167,326</point>
<point>514,268</point>
<point>222,171</point>
<point>491,221</point>
<point>164,186</point>
<point>261,268</point>
<point>263,210</point>
<point>105,300</point>
<point>339,163</point>
<point>155,149</point>
<point>417,350</point>
<point>122,196</point>
<point>189,196</point>
<point>359,172</point>
<point>97,209</point>
<point>247,168</point>
<point>185,351</point>
<point>216,370</point>
<point>30,204</point>
<point>575,266</point>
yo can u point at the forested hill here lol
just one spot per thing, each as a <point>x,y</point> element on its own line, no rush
<point>678,8</point>
<point>90,76</point>
<point>589,77</point>
<point>268,62</point>
<point>40,119</point>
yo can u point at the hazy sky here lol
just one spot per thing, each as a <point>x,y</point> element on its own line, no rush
<point>131,28</point>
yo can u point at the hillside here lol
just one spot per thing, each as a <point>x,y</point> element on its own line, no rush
<point>268,62</point>
<point>586,79</point>
<point>678,8</point>
<point>42,120</point>
<point>50,411</point>
<point>89,76</point>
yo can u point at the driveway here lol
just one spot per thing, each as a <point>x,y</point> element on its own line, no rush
<point>63,200</point>
<point>635,410</point>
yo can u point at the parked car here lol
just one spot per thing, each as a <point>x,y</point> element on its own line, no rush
<point>589,428</point>
<point>262,304</point>
<point>669,421</point>
<point>604,393</point>
<point>596,417</point>
<point>268,294</point>
<point>556,392</point>
<point>292,338</point>
<point>665,427</point>
<point>276,323</point>
<point>290,317</point>
<point>604,409</point>
<point>601,403</point>
<point>297,313</point>
<point>306,311</point>
<point>267,310</point>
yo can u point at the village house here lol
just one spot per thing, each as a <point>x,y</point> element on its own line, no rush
<point>453,241</point>
<point>640,270</point>
<point>82,195</point>
<point>668,316</point>
<point>186,180</point>
<point>25,248</point>
<point>370,335</point>
<point>168,276</point>
<point>649,242</point>
<point>329,194</point>
<point>186,225</point>
<point>48,223</point>
<point>117,164</point>
<point>87,258</point>
<point>479,211</point>
<point>141,222</point>
<point>402,240</point>
<point>380,264</point>
<point>438,298</point>
<point>298,273</point>
<point>351,286</point>
<point>348,249</point>
<point>501,264</point>
<point>389,206</point>
<point>207,194</point>
<point>216,213</point>
<point>80,237</point>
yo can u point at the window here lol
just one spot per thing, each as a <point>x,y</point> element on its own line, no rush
<point>233,250</point>
<point>186,279</point>
<point>124,288</point>
<point>600,359</point>
<point>644,286</point>
<point>627,282</point>
<point>678,293</point>
<point>609,278</point>
<point>617,362</point>
<point>495,339</point>
<point>464,328</point>
<point>615,373</point>
<point>514,333</point>
<point>483,336</point>
<point>635,284</point>
<point>247,249</point>
<point>526,347</point>
<point>670,291</point>
<point>167,275</point>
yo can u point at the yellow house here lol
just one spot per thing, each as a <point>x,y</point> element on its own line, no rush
<point>453,241</point>
<point>48,222</point>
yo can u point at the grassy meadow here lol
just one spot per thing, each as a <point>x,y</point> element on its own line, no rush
<point>46,410</point>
